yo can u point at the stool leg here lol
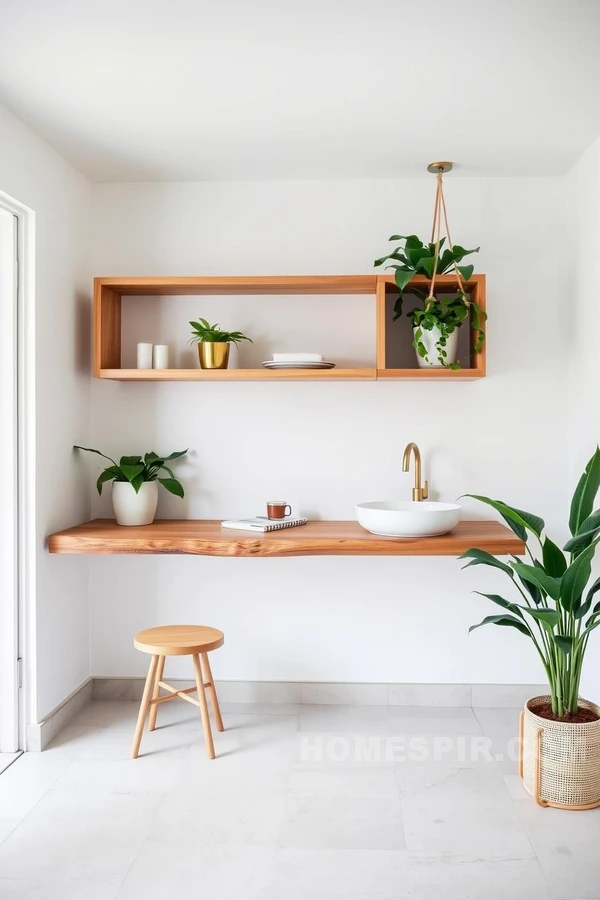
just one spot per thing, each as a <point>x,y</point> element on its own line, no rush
<point>154,708</point>
<point>137,739</point>
<point>208,740</point>
<point>213,692</point>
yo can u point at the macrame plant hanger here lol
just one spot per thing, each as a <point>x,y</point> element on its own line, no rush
<point>439,209</point>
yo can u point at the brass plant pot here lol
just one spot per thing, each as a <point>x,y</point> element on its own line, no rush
<point>213,355</point>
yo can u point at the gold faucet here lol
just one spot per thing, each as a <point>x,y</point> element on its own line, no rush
<point>419,493</point>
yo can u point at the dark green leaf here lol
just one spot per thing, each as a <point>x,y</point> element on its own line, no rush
<point>500,601</point>
<point>89,450</point>
<point>108,475</point>
<point>517,519</point>
<point>483,558</point>
<point>415,255</point>
<point>395,255</point>
<point>590,627</point>
<point>172,485</point>
<point>509,621</point>
<point>130,461</point>
<point>466,271</point>
<point>575,579</point>
<point>432,244</point>
<point>564,643</point>
<point>584,608</point>
<point>549,618</point>
<point>582,540</point>
<point>426,265</point>
<point>539,577</point>
<point>131,472</point>
<point>534,523</point>
<point>555,563</point>
<point>403,277</point>
<point>460,252</point>
<point>445,261</point>
<point>585,494</point>
<point>176,455</point>
<point>532,589</point>
<point>138,481</point>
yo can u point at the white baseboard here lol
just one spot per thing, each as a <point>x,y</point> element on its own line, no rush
<point>39,735</point>
<point>296,692</point>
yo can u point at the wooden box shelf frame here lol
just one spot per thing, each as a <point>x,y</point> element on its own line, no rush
<point>387,289</point>
<point>108,293</point>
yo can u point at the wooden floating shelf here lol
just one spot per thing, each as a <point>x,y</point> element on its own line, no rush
<point>206,537</point>
<point>387,292</point>
<point>428,374</point>
<point>239,374</point>
<point>108,293</point>
<point>185,286</point>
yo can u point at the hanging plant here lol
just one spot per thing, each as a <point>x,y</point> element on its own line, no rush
<point>439,315</point>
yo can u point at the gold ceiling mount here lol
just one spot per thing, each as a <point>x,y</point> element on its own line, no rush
<point>439,167</point>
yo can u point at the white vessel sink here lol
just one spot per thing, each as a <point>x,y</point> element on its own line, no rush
<point>408,519</point>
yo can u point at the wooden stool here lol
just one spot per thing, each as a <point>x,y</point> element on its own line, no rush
<point>178,640</point>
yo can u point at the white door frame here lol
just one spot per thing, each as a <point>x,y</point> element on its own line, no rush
<point>17,510</point>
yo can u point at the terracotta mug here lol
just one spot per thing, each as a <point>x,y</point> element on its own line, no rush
<point>277,509</point>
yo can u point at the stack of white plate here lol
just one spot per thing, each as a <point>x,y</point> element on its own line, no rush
<point>297,361</point>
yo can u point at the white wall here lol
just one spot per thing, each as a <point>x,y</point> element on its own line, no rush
<point>325,446</point>
<point>583,192</point>
<point>582,186</point>
<point>32,173</point>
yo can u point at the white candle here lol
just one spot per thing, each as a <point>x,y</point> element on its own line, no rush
<point>144,356</point>
<point>161,356</point>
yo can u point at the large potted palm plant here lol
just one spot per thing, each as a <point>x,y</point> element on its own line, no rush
<point>552,605</point>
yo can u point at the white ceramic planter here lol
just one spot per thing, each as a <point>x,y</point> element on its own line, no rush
<point>429,339</point>
<point>560,761</point>
<point>134,509</point>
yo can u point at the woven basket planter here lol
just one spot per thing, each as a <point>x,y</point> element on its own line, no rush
<point>560,761</point>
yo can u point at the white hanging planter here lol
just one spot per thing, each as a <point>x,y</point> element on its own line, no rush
<point>429,340</point>
<point>131,508</point>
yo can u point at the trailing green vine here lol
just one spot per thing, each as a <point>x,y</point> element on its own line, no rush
<point>442,312</point>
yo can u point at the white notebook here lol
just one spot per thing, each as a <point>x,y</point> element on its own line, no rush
<point>258,523</point>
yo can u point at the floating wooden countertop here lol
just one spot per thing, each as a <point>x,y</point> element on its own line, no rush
<point>205,537</point>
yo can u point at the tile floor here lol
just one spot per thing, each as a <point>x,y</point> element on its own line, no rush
<point>7,759</point>
<point>303,803</point>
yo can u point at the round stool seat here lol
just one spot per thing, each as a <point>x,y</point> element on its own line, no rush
<point>178,640</point>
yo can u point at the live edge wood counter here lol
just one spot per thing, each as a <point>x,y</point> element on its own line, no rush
<point>205,537</point>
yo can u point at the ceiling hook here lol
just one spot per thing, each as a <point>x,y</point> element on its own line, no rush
<point>438,168</point>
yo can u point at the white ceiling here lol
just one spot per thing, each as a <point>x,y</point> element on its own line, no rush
<point>178,90</point>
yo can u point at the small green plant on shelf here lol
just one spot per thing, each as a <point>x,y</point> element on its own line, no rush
<point>203,331</point>
<point>438,315</point>
<point>213,344</point>
<point>137,470</point>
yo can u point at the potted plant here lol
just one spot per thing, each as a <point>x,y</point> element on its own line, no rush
<point>438,317</point>
<point>554,608</point>
<point>213,344</point>
<point>135,484</point>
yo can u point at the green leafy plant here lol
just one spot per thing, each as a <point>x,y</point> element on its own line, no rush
<point>446,313</point>
<point>203,331</point>
<point>553,608</point>
<point>136,470</point>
